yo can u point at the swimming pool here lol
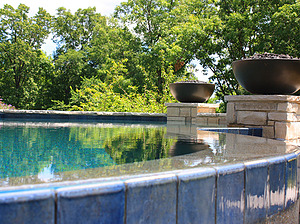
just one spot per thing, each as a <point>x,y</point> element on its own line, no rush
<point>227,179</point>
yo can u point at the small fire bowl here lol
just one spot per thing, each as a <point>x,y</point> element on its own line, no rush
<point>268,76</point>
<point>192,92</point>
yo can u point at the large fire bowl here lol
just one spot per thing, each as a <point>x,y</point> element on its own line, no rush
<point>192,92</point>
<point>268,76</point>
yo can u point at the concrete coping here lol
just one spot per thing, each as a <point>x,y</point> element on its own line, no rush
<point>211,114</point>
<point>207,105</point>
<point>263,98</point>
<point>90,113</point>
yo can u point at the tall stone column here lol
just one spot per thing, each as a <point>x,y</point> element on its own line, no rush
<point>277,115</point>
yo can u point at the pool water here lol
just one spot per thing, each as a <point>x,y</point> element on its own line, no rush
<point>33,148</point>
<point>36,152</point>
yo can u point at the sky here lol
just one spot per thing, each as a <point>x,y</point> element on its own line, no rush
<point>105,7</point>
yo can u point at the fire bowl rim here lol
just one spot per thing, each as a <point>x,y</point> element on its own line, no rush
<point>283,78</point>
<point>199,96</point>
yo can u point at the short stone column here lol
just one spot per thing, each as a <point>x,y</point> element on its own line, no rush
<point>277,115</point>
<point>187,112</point>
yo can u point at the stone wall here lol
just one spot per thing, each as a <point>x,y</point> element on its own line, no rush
<point>277,115</point>
<point>195,113</point>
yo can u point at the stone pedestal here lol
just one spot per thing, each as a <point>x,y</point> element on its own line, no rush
<point>277,115</point>
<point>187,112</point>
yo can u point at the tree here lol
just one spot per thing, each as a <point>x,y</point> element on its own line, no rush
<point>236,30</point>
<point>153,22</point>
<point>75,31</point>
<point>20,56</point>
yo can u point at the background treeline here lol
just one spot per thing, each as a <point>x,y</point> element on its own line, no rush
<point>126,62</point>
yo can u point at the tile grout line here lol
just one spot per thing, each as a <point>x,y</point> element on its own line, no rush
<point>216,190</point>
<point>125,205</point>
<point>177,201</point>
<point>55,207</point>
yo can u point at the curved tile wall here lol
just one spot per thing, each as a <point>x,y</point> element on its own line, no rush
<point>236,193</point>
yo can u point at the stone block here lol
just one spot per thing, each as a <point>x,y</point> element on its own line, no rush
<point>193,112</point>
<point>222,121</point>
<point>231,114</point>
<point>271,123</point>
<point>255,106</point>
<point>287,130</point>
<point>176,120</point>
<point>188,119</point>
<point>201,120</point>
<point>186,130</point>
<point>281,116</point>
<point>194,121</point>
<point>184,112</point>
<point>288,107</point>
<point>268,132</point>
<point>251,118</point>
<point>213,121</point>
<point>263,98</point>
<point>180,119</point>
<point>173,112</point>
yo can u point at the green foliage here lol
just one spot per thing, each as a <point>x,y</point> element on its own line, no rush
<point>126,62</point>
<point>95,95</point>
<point>22,62</point>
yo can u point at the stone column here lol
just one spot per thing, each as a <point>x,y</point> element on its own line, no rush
<point>185,113</point>
<point>277,115</point>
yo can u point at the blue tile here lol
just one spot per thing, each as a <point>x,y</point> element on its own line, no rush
<point>291,190</point>
<point>256,190</point>
<point>257,132</point>
<point>233,131</point>
<point>36,206</point>
<point>95,203</point>
<point>244,131</point>
<point>151,199</point>
<point>230,194</point>
<point>277,169</point>
<point>196,196</point>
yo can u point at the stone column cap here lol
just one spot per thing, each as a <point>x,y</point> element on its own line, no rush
<point>263,98</point>
<point>208,105</point>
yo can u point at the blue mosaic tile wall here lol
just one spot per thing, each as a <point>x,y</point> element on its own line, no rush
<point>237,193</point>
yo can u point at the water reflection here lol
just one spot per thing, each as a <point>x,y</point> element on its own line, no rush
<point>35,148</point>
<point>81,151</point>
